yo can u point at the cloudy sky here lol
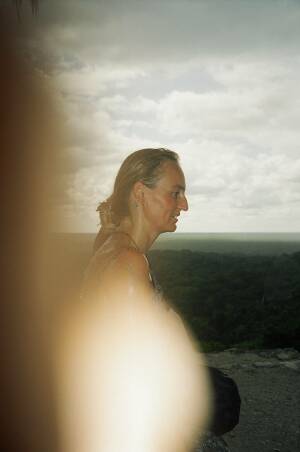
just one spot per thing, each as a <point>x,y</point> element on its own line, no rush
<point>215,80</point>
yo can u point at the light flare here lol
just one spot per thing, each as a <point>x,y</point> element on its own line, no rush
<point>130,378</point>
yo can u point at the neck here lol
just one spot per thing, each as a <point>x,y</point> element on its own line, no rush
<point>143,240</point>
<point>142,236</point>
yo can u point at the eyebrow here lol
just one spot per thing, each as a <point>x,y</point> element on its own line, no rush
<point>181,187</point>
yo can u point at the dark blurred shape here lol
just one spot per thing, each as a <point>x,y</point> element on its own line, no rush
<point>226,402</point>
<point>34,6</point>
<point>29,142</point>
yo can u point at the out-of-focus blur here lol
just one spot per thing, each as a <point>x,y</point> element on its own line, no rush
<point>123,378</point>
<point>30,143</point>
<point>129,376</point>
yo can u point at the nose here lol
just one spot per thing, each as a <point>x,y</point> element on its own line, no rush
<point>183,204</point>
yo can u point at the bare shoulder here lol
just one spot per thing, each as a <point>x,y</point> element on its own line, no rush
<point>133,260</point>
<point>130,274</point>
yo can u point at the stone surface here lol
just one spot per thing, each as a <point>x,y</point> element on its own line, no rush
<point>265,364</point>
<point>211,443</point>
<point>270,409</point>
<point>287,355</point>
<point>232,359</point>
<point>295,365</point>
<point>228,367</point>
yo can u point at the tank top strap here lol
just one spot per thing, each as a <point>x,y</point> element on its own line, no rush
<point>134,245</point>
<point>152,278</point>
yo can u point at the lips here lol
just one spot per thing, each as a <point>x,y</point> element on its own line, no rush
<point>175,217</point>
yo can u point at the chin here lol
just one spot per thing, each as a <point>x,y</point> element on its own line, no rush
<point>168,228</point>
<point>172,228</point>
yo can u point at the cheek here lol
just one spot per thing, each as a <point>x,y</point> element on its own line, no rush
<point>161,207</point>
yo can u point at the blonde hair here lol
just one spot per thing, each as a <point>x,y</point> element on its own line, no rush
<point>144,165</point>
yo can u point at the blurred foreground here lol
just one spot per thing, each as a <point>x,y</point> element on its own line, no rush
<point>104,372</point>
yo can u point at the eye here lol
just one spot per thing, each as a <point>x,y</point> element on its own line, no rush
<point>175,194</point>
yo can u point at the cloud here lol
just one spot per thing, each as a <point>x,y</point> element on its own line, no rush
<point>146,32</point>
<point>215,81</point>
<point>94,81</point>
<point>256,98</point>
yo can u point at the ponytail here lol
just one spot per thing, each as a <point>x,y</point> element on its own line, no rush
<point>107,223</point>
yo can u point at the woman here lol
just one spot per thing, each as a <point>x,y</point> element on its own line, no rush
<point>140,384</point>
<point>148,196</point>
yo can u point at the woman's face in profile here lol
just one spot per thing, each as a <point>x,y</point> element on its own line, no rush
<point>164,202</point>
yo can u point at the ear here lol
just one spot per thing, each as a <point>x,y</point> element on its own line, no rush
<point>138,192</point>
